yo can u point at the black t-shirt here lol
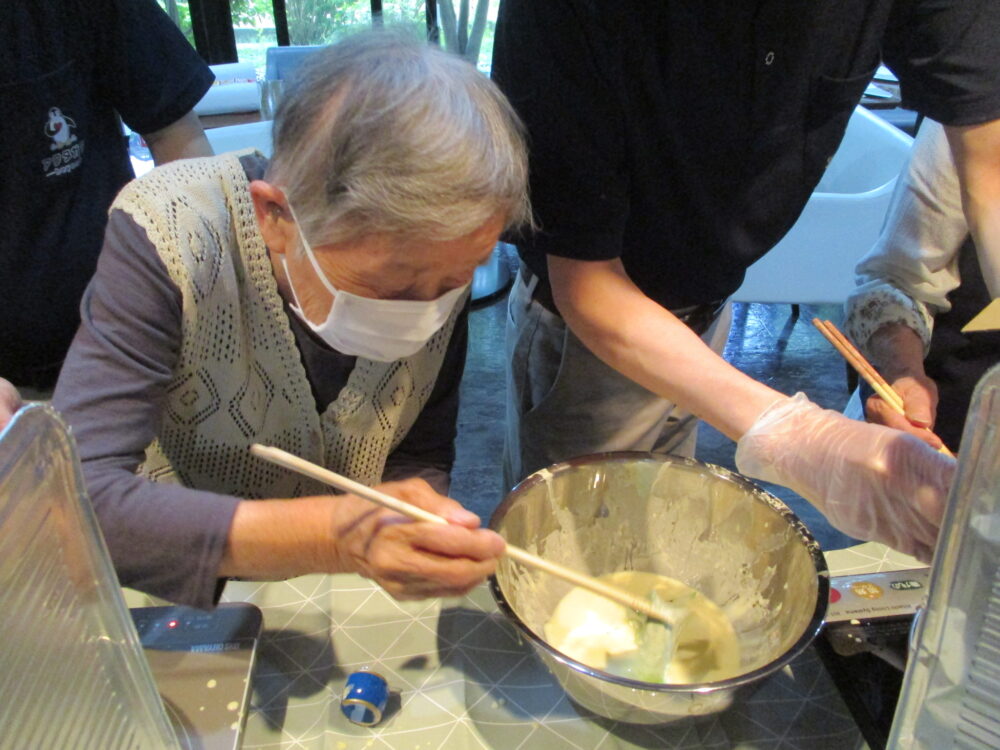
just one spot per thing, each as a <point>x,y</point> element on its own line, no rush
<point>956,360</point>
<point>686,137</point>
<point>68,68</point>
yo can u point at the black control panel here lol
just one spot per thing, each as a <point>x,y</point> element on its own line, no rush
<point>230,626</point>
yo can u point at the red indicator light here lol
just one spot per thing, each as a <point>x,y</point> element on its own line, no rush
<point>172,624</point>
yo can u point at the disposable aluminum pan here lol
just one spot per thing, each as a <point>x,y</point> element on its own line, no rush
<point>705,526</point>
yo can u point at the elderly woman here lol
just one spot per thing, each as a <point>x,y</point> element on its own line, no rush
<point>316,303</point>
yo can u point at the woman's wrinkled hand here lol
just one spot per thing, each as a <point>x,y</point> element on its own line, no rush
<point>414,559</point>
<point>920,398</point>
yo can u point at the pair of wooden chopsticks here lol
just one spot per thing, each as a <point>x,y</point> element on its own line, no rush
<point>864,368</point>
<point>309,469</point>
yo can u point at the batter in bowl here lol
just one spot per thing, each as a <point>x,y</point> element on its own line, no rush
<point>593,630</point>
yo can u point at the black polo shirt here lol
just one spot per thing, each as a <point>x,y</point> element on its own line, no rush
<point>686,137</point>
<point>68,69</point>
<point>957,360</point>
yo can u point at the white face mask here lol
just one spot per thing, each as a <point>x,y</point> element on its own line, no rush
<point>380,329</point>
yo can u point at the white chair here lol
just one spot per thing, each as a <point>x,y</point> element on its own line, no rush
<point>234,91</point>
<point>282,62</point>
<point>238,137</point>
<point>814,263</point>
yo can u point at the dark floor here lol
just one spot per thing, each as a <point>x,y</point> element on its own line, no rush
<point>764,342</point>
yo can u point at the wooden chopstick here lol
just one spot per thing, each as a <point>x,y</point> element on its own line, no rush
<point>855,358</point>
<point>865,369</point>
<point>300,465</point>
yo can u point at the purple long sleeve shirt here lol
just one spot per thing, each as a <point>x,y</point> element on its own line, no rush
<point>166,539</point>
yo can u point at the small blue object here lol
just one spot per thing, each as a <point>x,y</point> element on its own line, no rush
<point>365,696</point>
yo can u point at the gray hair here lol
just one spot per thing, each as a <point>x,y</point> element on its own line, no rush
<point>384,133</point>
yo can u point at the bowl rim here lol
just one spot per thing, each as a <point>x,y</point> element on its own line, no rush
<point>809,633</point>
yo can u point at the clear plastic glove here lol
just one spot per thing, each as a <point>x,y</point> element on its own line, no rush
<point>871,482</point>
<point>10,402</point>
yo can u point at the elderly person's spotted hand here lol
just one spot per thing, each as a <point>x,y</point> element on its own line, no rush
<point>411,559</point>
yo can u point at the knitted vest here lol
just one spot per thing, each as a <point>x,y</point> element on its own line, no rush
<point>239,378</point>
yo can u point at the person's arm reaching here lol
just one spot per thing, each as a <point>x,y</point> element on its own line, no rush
<point>905,280</point>
<point>870,481</point>
<point>272,539</point>
<point>896,484</point>
<point>646,342</point>
<point>182,139</point>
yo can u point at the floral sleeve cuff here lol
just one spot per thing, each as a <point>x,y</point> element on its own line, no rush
<point>872,306</point>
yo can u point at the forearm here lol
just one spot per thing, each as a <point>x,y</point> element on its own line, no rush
<point>182,139</point>
<point>277,539</point>
<point>163,538</point>
<point>977,157</point>
<point>272,539</point>
<point>896,351</point>
<point>647,343</point>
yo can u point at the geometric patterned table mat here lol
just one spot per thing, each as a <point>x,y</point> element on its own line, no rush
<point>462,679</point>
<point>869,557</point>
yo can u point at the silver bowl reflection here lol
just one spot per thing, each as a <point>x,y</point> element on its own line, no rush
<point>702,525</point>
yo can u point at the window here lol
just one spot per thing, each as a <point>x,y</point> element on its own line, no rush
<point>467,29</point>
<point>254,29</point>
<point>322,21</point>
<point>180,14</point>
<point>251,26</point>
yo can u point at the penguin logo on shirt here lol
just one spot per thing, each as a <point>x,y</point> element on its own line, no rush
<point>65,148</point>
<point>59,129</point>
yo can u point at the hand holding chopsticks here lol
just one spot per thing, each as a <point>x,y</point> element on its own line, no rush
<point>300,465</point>
<point>865,369</point>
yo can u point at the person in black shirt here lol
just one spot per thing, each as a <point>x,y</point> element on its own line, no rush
<point>672,144</point>
<point>70,71</point>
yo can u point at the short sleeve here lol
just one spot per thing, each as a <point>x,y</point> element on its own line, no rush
<point>946,54</point>
<point>149,71</point>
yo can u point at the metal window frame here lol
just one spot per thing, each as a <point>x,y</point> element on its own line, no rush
<point>215,38</point>
<point>212,25</point>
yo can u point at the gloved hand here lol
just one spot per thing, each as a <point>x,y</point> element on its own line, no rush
<point>870,481</point>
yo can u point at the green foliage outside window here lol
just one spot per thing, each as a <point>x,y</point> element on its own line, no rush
<point>180,14</point>
<point>466,25</point>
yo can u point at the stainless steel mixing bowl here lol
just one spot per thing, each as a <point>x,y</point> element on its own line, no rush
<point>705,526</point>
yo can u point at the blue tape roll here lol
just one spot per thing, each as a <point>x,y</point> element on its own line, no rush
<point>365,696</point>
